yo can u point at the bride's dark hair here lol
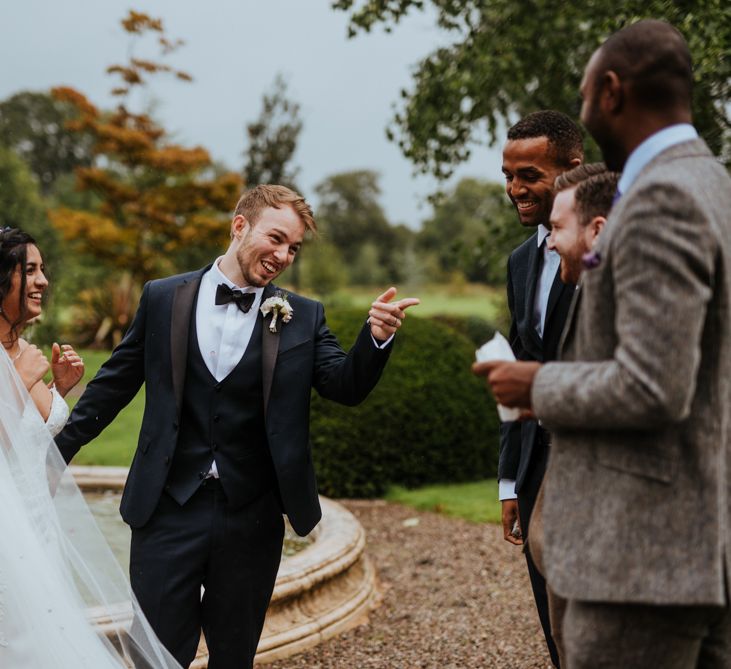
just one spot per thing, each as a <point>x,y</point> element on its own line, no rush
<point>13,252</point>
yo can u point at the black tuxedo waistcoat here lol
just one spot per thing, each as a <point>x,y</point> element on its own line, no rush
<point>302,354</point>
<point>223,420</point>
<point>517,440</point>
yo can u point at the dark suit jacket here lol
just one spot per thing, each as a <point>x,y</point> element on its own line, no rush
<point>524,267</point>
<point>302,354</point>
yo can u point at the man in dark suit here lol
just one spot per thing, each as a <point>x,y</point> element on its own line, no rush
<point>224,445</point>
<point>539,148</point>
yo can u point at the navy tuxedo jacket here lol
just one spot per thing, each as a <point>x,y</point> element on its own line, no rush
<point>302,354</point>
<point>524,267</point>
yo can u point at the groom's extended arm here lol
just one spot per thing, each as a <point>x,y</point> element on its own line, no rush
<point>343,377</point>
<point>348,378</point>
<point>114,386</point>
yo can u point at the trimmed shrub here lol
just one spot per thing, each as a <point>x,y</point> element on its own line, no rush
<point>476,329</point>
<point>429,420</point>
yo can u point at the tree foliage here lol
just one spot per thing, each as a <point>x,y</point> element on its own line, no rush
<point>156,198</point>
<point>273,140</point>
<point>351,218</point>
<point>473,229</point>
<point>33,125</point>
<point>509,58</point>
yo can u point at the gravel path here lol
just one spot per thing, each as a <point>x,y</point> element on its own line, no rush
<point>455,596</point>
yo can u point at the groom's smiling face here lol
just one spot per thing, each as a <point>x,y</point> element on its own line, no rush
<point>268,246</point>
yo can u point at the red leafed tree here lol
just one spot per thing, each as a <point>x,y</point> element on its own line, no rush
<point>156,199</point>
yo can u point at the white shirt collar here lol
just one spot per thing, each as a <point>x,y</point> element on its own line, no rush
<point>543,232</point>
<point>651,147</point>
<point>216,276</point>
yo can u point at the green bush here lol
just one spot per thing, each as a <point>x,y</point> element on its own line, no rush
<point>429,419</point>
<point>476,329</point>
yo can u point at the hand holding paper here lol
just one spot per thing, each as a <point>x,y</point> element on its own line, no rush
<point>498,348</point>
<point>510,381</point>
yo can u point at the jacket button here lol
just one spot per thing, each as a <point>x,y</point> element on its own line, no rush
<point>175,426</point>
<point>167,459</point>
<point>214,447</point>
<point>216,418</point>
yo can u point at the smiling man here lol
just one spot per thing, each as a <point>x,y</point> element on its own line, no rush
<point>583,199</point>
<point>224,448</point>
<point>539,148</point>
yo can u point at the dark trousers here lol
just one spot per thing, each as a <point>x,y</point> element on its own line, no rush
<point>233,554</point>
<point>526,502</point>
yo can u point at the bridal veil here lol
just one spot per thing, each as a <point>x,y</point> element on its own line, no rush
<point>64,600</point>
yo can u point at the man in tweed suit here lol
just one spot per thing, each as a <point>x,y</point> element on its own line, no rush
<point>636,513</point>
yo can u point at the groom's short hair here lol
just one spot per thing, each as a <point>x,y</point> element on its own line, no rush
<point>254,201</point>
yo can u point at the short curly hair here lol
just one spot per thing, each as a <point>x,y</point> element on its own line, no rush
<point>565,140</point>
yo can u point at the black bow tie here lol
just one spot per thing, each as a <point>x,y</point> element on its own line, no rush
<point>243,301</point>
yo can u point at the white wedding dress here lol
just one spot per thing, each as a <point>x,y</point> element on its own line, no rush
<point>56,570</point>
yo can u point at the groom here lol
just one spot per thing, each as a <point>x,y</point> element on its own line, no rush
<point>224,447</point>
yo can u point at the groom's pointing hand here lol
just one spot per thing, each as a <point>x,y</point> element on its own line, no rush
<point>385,316</point>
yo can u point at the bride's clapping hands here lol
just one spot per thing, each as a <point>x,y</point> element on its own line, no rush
<point>67,368</point>
<point>31,365</point>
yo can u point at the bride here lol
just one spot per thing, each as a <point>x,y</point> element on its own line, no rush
<point>57,572</point>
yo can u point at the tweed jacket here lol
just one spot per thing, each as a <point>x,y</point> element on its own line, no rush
<point>636,504</point>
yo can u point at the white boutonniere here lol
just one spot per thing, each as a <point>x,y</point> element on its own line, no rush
<point>277,306</point>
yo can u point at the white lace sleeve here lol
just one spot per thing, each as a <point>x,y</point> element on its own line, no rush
<point>58,415</point>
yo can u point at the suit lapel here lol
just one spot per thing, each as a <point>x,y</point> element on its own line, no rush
<point>534,267</point>
<point>269,349</point>
<point>570,322</point>
<point>553,297</point>
<point>179,329</point>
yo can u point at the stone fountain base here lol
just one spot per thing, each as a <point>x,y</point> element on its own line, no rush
<point>326,588</point>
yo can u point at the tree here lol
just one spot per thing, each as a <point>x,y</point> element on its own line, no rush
<point>156,198</point>
<point>509,58</point>
<point>350,217</point>
<point>473,229</point>
<point>34,126</point>
<point>21,205</point>
<point>273,140</point>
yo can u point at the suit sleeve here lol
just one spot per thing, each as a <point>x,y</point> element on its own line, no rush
<point>665,243</point>
<point>509,453</point>
<point>349,377</point>
<point>114,386</point>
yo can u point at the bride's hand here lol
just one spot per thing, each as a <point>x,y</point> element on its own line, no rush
<point>31,365</point>
<point>67,368</point>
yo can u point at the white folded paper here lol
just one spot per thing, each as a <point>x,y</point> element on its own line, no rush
<point>498,349</point>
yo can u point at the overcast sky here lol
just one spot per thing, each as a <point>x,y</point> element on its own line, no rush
<point>233,50</point>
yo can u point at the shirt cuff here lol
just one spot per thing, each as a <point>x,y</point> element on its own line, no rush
<point>382,345</point>
<point>506,489</point>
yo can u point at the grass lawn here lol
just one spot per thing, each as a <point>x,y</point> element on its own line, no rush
<point>116,445</point>
<point>476,502</point>
<point>469,300</point>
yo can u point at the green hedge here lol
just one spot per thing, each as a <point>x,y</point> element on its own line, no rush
<point>476,329</point>
<point>429,419</point>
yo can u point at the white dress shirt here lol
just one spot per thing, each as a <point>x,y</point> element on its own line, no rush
<point>551,263</point>
<point>224,331</point>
